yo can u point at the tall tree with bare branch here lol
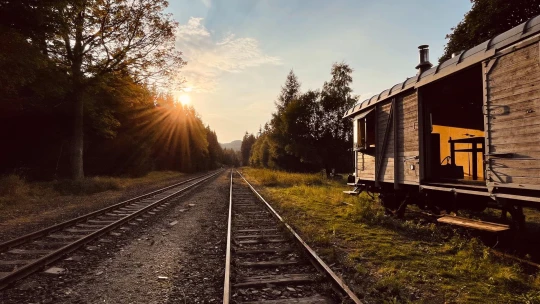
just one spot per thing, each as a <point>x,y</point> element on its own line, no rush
<point>95,38</point>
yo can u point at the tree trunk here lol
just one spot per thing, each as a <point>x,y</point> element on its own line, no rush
<point>77,141</point>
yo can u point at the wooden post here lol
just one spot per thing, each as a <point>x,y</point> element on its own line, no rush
<point>422,142</point>
<point>452,152</point>
<point>487,67</point>
<point>377,147</point>
<point>474,161</point>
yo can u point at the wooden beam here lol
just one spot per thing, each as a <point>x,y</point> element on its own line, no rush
<point>396,146</point>
<point>488,67</point>
<point>377,147</point>
<point>385,140</point>
<point>421,136</point>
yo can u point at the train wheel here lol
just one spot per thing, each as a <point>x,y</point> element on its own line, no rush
<point>516,212</point>
<point>518,218</point>
<point>394,204</point>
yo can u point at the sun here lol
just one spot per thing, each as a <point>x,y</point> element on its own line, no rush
<point>184,99</point>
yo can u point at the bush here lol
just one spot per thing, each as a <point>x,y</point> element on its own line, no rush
<point>12,185</point>
<point>86,186</point>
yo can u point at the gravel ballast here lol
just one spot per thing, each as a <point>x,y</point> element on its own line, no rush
<point>176,256</point>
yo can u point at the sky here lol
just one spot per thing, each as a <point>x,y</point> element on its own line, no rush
<point>239,52</point>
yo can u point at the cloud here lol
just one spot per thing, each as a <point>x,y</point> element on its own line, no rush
<point>207,3</point>
<point>210,57</point>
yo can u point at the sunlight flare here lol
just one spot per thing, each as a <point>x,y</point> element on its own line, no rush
<point>184,99</point>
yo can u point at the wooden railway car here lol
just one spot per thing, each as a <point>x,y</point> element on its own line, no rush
<point>461,135</point>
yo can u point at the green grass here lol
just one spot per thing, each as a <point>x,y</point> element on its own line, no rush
<point>391,260</point>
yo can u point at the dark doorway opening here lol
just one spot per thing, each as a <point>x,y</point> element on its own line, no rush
<point>454,127</point>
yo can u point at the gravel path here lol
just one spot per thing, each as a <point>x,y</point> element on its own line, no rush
<point>176,257</point>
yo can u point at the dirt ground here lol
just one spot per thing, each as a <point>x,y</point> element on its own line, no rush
<point>175,257</point>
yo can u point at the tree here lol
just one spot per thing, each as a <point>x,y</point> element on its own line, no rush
<point>279,138</point>
<point>486,19</point>
<point>215,152</point>
<point>260,152</point>
<point>335,133</point>
<point>247,142</point>
<point>289,91</point>
<point>95,38</point>
<point>307,131</point>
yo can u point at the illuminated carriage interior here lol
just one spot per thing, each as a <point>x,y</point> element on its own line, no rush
<point>454,121</point>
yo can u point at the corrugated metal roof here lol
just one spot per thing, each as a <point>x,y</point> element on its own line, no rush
<point>463,60</point>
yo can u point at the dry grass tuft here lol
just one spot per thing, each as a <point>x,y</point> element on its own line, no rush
<point>274,178</point>
<point>86,186</point>
<point>12,185</point>
<point>20,199</point>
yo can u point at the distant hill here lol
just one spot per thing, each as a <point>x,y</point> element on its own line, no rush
<point>235,145</point>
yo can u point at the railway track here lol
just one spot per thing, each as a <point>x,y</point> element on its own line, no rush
<point>266,261</point>
<point>25,255</point>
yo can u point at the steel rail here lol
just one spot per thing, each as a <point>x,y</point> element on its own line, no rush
<point>315,259</point>
<point>40,233</point>
<point>227,284</point>
<point>57,254</point>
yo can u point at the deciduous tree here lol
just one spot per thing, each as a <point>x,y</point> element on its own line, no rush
<point>486,19</point>
<point>94,38</point>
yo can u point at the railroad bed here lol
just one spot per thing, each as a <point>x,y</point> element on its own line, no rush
<point>25,255</point>
<point>268,262</point>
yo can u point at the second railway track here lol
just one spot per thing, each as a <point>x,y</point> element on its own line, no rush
<point>25,255</point>
<point>268,262</point>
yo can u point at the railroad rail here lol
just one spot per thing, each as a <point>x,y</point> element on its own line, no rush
<point>267,261</point>
<point>30,253</point>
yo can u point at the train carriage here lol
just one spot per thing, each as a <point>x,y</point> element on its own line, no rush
<point>461,135</point>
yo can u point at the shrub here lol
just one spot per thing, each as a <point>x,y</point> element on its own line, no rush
<point>86,186</point>
<point>12,185</point>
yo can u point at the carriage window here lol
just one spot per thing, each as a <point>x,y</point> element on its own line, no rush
<point>364,133</point>
<point>359,133</point>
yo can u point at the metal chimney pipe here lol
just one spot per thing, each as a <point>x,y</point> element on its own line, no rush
<point>424,64</point>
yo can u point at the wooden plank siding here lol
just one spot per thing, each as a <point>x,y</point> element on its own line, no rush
<point>366,166</point>
<point>513,105</point>
<point>407,136</point>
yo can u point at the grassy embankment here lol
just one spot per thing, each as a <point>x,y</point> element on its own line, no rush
<point>391,260</point>
<point>23,201</point>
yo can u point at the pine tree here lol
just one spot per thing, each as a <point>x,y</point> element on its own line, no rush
<point>289,91</point>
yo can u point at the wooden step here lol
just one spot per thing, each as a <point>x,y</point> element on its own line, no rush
<point>475,224</point>
<point>276,280</point>
<point>309,300</point>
